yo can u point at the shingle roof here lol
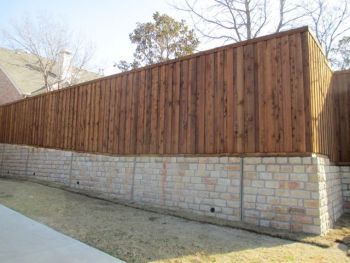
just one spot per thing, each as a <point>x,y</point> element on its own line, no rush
<point>20,67</point>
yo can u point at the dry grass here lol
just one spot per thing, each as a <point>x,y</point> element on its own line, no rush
<point>135,235</point>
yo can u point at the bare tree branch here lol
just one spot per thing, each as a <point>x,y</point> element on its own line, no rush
<point>45,38</point>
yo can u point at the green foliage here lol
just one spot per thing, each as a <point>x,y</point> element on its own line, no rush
<point>342,59</point>
<point>162,39</point>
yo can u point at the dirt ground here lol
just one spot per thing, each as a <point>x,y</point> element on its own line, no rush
<point>135,235</point>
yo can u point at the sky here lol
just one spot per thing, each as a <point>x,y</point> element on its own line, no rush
<point>107,23</point>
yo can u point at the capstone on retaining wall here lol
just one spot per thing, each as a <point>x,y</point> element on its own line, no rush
<point>298,194</point>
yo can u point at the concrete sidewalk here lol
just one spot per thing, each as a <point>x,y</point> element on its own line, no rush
<point>27,241</point>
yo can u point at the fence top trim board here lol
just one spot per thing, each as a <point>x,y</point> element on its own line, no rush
<point>198,54</point>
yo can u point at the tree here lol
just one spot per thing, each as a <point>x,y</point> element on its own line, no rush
<point>342,53</point>
<point>160,40</point>
<point>237,20</point>
<point>329,20</point>
<point>46,39</point>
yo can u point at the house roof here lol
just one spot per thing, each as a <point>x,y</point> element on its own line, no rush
<point>21,68</point>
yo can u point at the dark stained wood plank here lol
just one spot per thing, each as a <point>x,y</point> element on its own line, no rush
<point>209,103</point>
<point>176,108</point>
<point>200,121</point>
<point>240,100</point>
<point>168,109</point>
<point>249,99</point>
<point>230,109</point>
<point>122,118</point>
<point>287,107</point>
<point>219,102</point>
<point>183,106</point>
<point>141,113</point>
<point>154,110</point>
<point>111,119</point>
<point>128,111</point>
<point>192,110</point>
<point>134,112</point>
<point>162,91</point>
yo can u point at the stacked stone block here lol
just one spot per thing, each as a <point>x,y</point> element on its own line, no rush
<point>291,193</point>
<point>330,194</point>
<point>14,160</point>
<point>345,179</point>
<point>49,165</point>
<point>110,175</point>
<point>281,192</point>
<point>204,185</point>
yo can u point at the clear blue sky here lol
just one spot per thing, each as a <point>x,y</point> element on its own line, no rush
<point>105,22</point>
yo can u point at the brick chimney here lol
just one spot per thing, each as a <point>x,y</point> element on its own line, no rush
<point>65,66</point>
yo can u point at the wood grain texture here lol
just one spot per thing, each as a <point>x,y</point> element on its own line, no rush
<point>274,94</point>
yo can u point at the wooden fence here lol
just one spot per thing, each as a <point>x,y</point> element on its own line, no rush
<point>251,97</point>
<point>341,86</point>
<point>322,107</point>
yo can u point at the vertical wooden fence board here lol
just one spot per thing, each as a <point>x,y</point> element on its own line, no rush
<point>209,103</point>
<point>168,109</point>
<point>183,106</point>
<point>230,104</point>
<point>200,122</point>
<point>219,103</point>
<point>192,102</point>
<point>249,100</point>
<point>176,108</point>
<point>128,112</point>
<point>141,113</point>
<point>162,90</point>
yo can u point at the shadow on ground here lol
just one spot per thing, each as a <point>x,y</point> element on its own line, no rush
<point>135,235</point>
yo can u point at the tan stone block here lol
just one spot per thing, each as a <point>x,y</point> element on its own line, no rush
<point>282,192</point>
<point>289,201</point>
<point>298,168</point>
<point>249,168</point>
<point>273,200</point>
<point>282,160</point>
<point>295,160</point>
<point>232,168</point>
<point>259,183</point>
<point>251,213</point>
<point>281,176</point>
<point>261,199</point>
<point>312,229</point>
<point>262,168</point>
<point>280,225</point>
<point>250,175</point>
<point>267,215</point>
<point>291,185</point>
<point>265,176</point>
<point>272,184</point>
<point>295,227</point>
<point>263,191</point>
<point>270,160</point>
<point>252,160</point>
<point>302,219</point>
<point>234,159</point>
<point>251,220</point>
<point>286,168</point>
<point>281,209</point>
<point>312,211</point>
<point>311,203</point>
<point>282,217</point>
<point>297,211</point>
<point>311,186</point>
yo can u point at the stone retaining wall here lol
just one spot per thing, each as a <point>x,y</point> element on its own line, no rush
<point>298,194</point>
